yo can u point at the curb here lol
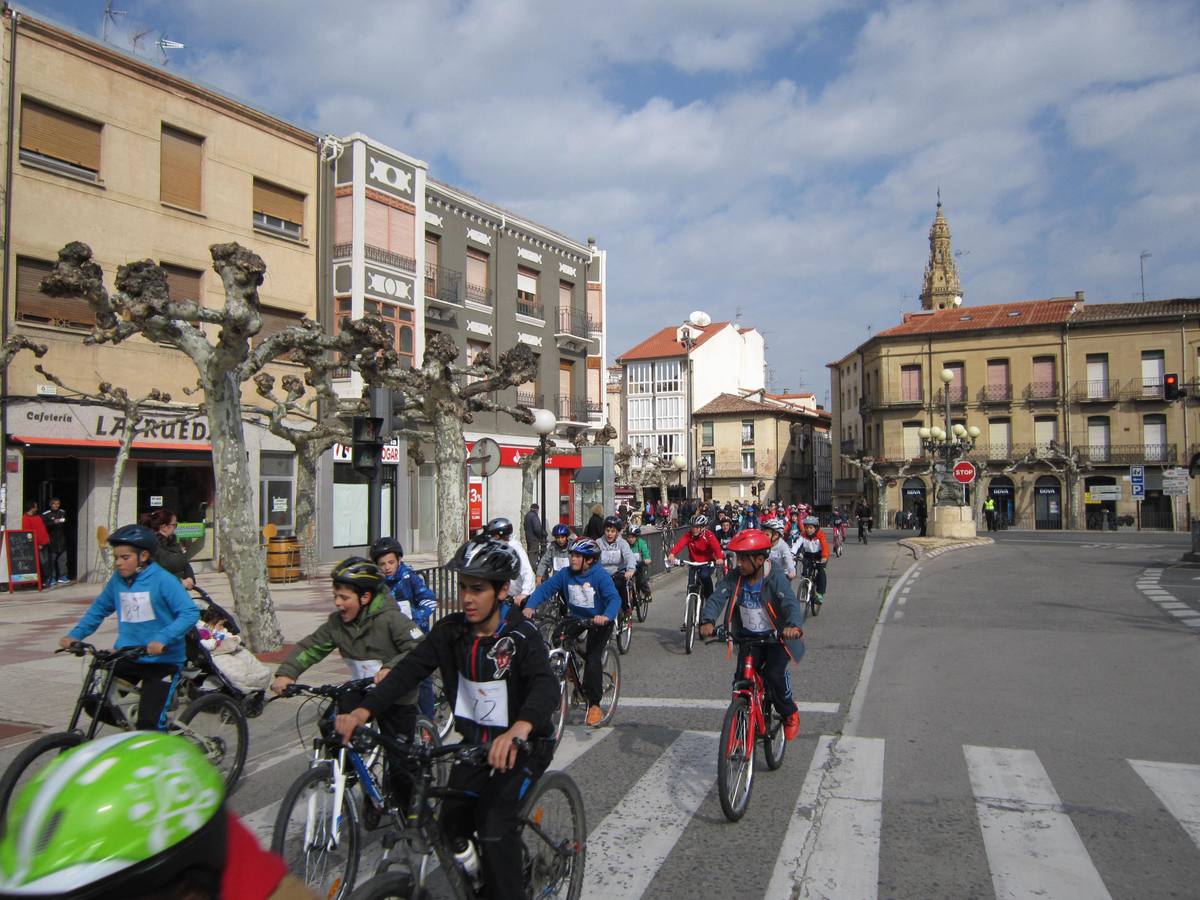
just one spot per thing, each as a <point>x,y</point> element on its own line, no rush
<point>920,552</point>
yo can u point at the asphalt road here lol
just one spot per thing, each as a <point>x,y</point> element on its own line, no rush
<point>1007,690</point>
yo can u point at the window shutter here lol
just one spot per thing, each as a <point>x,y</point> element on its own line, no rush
<point>526,281</point>
<point>432,245</point>
<point>59,135</point>
<point>180,160</point>
<point>997,373</point>
<point>477,270</point>
<point>1043,371</point>
<point>281,203</point>
<point>343,220</point>
<point>376,234</point>
<point>182,284</point>
<point>402,232</point>
<point>34,306</point>
<point>275,321</point>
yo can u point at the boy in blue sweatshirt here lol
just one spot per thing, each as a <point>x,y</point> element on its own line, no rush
<point>153,611</point>
<point>590,594</point>
<point>414,598</point>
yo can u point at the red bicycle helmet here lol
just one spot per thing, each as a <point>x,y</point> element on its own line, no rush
<point>750,540</point>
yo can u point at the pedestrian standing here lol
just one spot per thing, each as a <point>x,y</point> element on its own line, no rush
<point>535,532</point>
<point>989,512</point>
<point>922,512</point>
<point>32,521</point>
<point>55,519</point>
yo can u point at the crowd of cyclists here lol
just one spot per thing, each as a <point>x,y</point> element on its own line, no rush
<point>492,662</point>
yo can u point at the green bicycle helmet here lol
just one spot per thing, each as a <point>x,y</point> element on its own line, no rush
<point>125,815</point>
<point>357,573</point>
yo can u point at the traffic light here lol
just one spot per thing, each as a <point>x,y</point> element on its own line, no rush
<point>754,489</point>
<point>1171,386</point>
<point>367,453</point>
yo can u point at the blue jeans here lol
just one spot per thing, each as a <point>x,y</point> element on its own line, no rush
<point>425,698</point>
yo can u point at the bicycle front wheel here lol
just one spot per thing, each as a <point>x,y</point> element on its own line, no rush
<point>319,844</point>
<point>735,761</point>
<point>554,836</point>
<point>30,761</point>
<point>217,725</point>
<point>443,712</point>
<point>558,721</point>
<point>774,743</point>
<point>624,632</point>
<point>689,623</point>
<point>389,885</point>
<point>611,686</point>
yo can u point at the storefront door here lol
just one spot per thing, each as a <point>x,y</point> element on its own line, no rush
<point>187,489</point>
<point>1047,503</point>
<point>46,479</point>
<point>1003,494</point>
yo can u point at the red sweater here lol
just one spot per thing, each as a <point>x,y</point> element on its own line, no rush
<point>37,525</point>
<point>705,548</point>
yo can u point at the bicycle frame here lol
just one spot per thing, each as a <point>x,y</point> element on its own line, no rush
<point>108,663</point>
<point>750,686</point>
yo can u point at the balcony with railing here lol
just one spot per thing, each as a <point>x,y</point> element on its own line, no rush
<point>389,258</point>
<point>1146,389</point>
<point>530,399</point>
<point>956,392</point>
<point>343,250</point>
<point>891,399</point>
<point>850,447</point>
<point>531,309</point>
<point>443,285</point>
<point>1042,391</point>
<point>572,329</point>
<point>995,394</point>
<point>477,293</point>
<point>1128,454</point>
<point>571,410</point>
<point>1106,390</point>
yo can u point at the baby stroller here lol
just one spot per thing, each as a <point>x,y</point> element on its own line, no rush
<point>201,673</point>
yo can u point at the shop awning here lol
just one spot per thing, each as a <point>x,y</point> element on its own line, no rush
<point>113,445</point>
<point>589,475</point>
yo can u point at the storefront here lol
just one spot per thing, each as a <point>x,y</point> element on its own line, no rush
<point>68,450</point>
<point>1047,503</point>
<point>1100,496</point>
<point>913,490</point>
<point>1003,494</point>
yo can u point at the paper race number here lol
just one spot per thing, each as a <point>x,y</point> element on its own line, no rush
<point>136,606</point>
<point>483,702</point>
<point>364,668</point>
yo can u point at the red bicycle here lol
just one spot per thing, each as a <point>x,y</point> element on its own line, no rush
<point>749,718</point>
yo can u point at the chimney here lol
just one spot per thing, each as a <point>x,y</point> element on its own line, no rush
<point>1079,296</point>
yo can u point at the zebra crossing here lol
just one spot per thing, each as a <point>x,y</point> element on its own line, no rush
<point>830,845</point>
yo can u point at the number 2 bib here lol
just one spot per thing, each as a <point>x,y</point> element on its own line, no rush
<point>483,702</point>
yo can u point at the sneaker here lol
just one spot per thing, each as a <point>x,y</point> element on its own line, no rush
<point>791,726</point>
<point>64,581</point>
<point>594,715</point>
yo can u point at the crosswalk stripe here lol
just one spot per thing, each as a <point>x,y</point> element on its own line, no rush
<point>1177,787</point>
<point>1032,846</point>
<point>625,852</point>
<point>831,848</point>
<point>576,741</point>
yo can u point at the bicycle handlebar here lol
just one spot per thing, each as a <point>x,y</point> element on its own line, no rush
<point>80,648</point>
<point>426,753</point>
<point>722,637</point>
<point>324,690</point>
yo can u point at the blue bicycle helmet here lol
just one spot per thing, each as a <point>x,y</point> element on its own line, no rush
<point>560,530</point>
<point>138,536</point>
<point>587,548</point>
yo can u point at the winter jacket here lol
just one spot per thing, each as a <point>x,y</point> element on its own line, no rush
<point>616,556</point>
<point>779,605</point>
<point>532,526</point>
<point>523,584</point>
<point>172,557</point>
<point>515,655</point>
<point>413,595</point>
<point>151,606</point>
<point>781,557</point>
<point>35,524</point>
<point>641,551</point>
<point>553,558</point>
<point>812,547</point>
<point>55,521</point>
<point>595,527</point>
<point>704,548</point>
<point>379,638</point>
<point>590,594</point>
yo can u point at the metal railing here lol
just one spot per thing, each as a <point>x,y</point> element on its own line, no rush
<point>443,284</point>
<point>956,392</point>
<point>343,250</point>
<point>574,322</point>
<point>1041,390</point>
<point>849,447</point>
<point>478,294</point>
<point>1096,391</point>
<point>875,401</point>
<point>995,393</point>
<point>388,258</point>
<point>571,409</point>
<point>530,399</point>
<point>1125,454</point>
<point>530,308</point>
<point>1146,389</point>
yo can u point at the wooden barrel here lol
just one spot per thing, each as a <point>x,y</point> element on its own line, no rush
<point>283,559</point>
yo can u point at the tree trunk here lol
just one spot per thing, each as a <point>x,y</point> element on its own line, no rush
<point>449,456</point>
<point>307,455</point>
<point>114,498</point>
<point>237,532</point>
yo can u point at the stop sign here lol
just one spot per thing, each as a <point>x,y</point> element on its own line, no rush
<point>964,471</point>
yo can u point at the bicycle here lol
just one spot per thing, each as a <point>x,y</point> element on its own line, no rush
<point>637,602</point>
<point>749,718</point>
<point>808,566</point>
<point>623,630</point>
<point>837,541</point>
<point>552,823</point>
<point>567,662</point>
<point>692,603</point>
<point>317,830</point>
<point>212,721</point>
<point>864,528</point>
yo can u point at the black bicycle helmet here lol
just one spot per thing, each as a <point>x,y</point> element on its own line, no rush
<point>560,530</point>
<point>355,572</point>
<point>499,527</point>
<point>386,545</point>
<point>613,522</point>
<point>586,548</point>
<point>135,536</point>
<point>487,559</point>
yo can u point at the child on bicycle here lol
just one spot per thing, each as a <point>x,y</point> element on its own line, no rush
<point>756,601</point>
<point>557,554</point>
<point>153,611</point>
<point>617,558</point>
<point>781,555</point>
<point>590,594</point>
<point>702,546</point>
<point>371,633</point>
<point>498,669</point>
<point>414,598</point>
<point>814,550</point>
<point>641,552</point>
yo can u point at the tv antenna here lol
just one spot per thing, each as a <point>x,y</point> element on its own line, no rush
<point>110,19</point>
<point>164,44</point>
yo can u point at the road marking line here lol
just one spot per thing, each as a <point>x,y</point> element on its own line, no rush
<point>1177,787</point>
<point>576,741</point>
<point>902,599</point>
<point>270,762</point>
<point>899,614</point>
<point>683,703</point>
<point>1032,847</point>
<point>627,849</point>
<point>1175,605</point>
<point>831,848</point>
<point>1184,614</point>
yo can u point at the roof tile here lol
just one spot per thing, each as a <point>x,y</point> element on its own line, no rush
<point>972,318</point>
<point>663,343</point>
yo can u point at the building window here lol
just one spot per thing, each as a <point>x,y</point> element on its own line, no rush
<point>34,306</point>
<point>641,377</point>
<point>912,440</point>
<point>910,384</point>
<point>668,413</point>
<point>397,322</point>
<point>998,385</point>
<point>527,294</point>
<point>641,414</point>
<point>1097,376</point>
<point>957,388</point>
<point>747,431</point>
<point>1154,437</point>
<point>475,349</point>
<point>59,140</point>
<point>748,461</point>
<point>1154,368</point>
<point>1098,437</point>
<point>277,487</point>
<point>529,393</point>
<point>1000,438</point>
<point>343,225</point>
<point>180,161</point>
<point>708,459</point>
<point>275,321</point>
<point>565,291</point>
<point>278,210</point>
<point>477,277</point>
<point>706,434</point>
<point>391,233</point>
<point>1045,382</point>
<point>1045,431</point>
<point>666,379</point>
<point>595,303</point>
<point>668,446</point>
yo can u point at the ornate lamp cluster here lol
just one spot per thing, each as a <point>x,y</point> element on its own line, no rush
<point>946,446</point>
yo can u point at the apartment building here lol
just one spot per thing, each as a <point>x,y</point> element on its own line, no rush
<point>1041,380</point>
<point>431,258</point>
<point>756,447</point>
<point>724,358</point>
<point>139,164</point>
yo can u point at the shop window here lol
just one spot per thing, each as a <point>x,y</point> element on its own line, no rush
<point>351,499</point>
<point>58,140</point>
<point>181,158</point>
<point>278,210</point>
<point>34,306</point>
<point>277,490</point>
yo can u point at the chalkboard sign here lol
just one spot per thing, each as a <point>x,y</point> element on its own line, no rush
<point>20,552</point>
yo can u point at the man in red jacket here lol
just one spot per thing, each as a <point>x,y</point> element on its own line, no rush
<point>702,546</point>
<point>32,521</point>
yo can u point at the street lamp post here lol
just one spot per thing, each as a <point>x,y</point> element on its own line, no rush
<point>544,424</point>
<point>947,446</point>
<point>681,465</point>
<point>705,471</point>
<point>698,319</point>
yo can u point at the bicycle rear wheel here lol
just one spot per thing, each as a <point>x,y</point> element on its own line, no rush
<point>689,623</point>
<point>558,721</point>
<point>554,835</point>
<point>735,760</point>
<point>216,724</point>
<point>322,856</point>
<point>624,632</point>
<point>30,761</point>
<point>773,741</point>
<point>611,686</point>
<point>639,604</point>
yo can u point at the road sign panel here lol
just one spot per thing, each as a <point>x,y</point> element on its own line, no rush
<point>964,471</point>
<point>1137,482</point>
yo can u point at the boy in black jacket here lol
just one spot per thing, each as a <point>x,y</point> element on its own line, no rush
<point>498,671</point>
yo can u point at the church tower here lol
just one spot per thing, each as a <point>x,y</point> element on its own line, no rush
<point>941,277</point>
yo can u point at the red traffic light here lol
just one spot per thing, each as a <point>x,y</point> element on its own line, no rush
<point>1171,386</point>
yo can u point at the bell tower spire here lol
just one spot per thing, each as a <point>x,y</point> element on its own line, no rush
<point>941,285</point>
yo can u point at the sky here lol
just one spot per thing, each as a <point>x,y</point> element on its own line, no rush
<point>777,158</point>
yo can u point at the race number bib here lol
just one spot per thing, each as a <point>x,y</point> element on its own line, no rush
<point>582,595</point>
<point>755,619</point>
<point>483,702</point>
<point>364,668</point>
<point>136,606</point>
<point>405,607</point>
<point>561,562</point>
